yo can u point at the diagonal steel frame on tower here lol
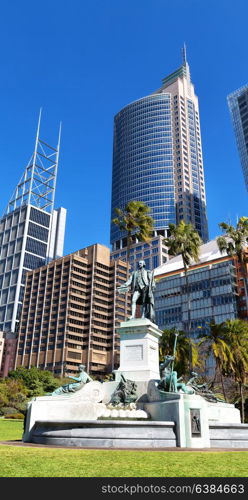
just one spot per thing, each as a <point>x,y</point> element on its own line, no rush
<point>37,184</point>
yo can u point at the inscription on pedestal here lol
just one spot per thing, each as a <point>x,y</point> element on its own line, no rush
<point>134,353</point>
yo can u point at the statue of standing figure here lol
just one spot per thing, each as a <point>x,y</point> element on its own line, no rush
<point>142,286</point>
<point>80,381</point>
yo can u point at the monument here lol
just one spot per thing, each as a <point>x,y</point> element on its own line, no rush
<point>139,337</point>
<point>145,406</point>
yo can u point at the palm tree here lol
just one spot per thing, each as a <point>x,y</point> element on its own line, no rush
<point>236,335</point>
<point>217,345</point>
<point>184,349</point>
<point>234,242</point>
<point>134,219</point>
<point>184,240</point>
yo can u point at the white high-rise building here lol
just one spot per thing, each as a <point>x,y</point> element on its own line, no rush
<point>31,230</point>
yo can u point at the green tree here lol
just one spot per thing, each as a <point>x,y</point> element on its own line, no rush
<point>13,394</point>
<point>135,221</point>
<point>185,349</point>
<point>184,240</point>
<point>236,336</point>
<point>216,345</point>
<point>37,381</point>
<point>234,242</point>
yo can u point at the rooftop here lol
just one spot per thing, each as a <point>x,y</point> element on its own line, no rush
<point>208,252</point>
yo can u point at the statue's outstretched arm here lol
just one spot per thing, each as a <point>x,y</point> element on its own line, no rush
<point>77,379</point>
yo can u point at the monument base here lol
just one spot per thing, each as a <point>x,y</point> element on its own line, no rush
<point>139,350</point>
<point>189,412</point>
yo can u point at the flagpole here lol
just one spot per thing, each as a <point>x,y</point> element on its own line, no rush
<point>174,353</point>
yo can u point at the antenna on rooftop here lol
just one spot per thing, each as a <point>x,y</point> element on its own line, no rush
<point>184,54</point>
<point>37,184</point>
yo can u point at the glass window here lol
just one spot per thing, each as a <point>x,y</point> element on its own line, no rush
<point>23,214</point>
<point>9,264</point>
<point>13,233</point>
<point>4,251</point>
<point>11,248</point>
<point>40,217</point>
<point>37,247</point>
<point>9,312</point>
<point>6,236</point>
<point>2,313</point>
<point>19,245</point>
<point>16,218</point>
<point>38,232</point>
<point>2,266</point>
<point>12,294</point>
<point>14,277</point>
<point>4,296</point>
<point>21,230</point>
<point>147,263</point>
<point>17,260</point>
<point>155,261</point>
<point>8,222</point>
<point>6,280</point>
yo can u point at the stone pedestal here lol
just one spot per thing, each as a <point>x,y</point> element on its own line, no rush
<point>84,404</point>
<point>139,350</point>
<point>189,412</point>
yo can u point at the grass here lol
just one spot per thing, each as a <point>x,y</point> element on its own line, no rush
<point>11,429</point>
<point>64,462</point>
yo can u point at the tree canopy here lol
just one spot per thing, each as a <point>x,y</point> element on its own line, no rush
<point>134,219</point>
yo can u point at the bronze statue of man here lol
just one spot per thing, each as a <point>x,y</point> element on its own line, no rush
<point>142,286</point>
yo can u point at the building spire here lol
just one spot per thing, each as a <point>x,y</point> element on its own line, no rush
<point>184,54</point>
<point>37,184</point>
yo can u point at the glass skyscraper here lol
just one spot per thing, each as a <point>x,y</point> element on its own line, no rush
<point>157,157</point>
<point>238,106</point>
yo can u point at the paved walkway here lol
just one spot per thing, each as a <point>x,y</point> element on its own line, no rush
<point>34,445</point>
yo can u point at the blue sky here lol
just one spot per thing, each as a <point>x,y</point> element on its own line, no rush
<point>82,61</point>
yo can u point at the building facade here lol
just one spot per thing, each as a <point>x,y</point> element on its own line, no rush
<point>70,313</point>
<point>31,230</point>
<point>26,242</point>
<point>8,343</point>
<point>216,292</point>
<point>154,253</point>
<point>157,157</point>
<point>238,106</point>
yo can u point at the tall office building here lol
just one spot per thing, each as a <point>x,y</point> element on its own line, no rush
<point>70,313</point>
<point>31,231</point>
<point>157,158</point>
<point>216,289</point>
<point>238,106</point>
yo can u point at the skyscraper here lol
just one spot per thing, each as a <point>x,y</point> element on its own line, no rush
<point>31,231</point>
<point>157,157</point>
<point>238,106</point>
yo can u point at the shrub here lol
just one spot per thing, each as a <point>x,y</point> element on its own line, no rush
<point>15,415</point>
<point>7,410</point>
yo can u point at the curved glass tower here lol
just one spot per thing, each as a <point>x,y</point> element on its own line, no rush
<point>238,106</point>
<point>157,157</point>
<point>143,159</point>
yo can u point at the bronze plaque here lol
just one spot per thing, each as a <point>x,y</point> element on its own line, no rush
<point>195,422</point>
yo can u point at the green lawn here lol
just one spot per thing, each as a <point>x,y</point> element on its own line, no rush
<point>52,462</point>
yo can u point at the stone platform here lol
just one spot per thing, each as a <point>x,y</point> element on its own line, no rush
<point>117,434</point>
<point>105,434</point>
